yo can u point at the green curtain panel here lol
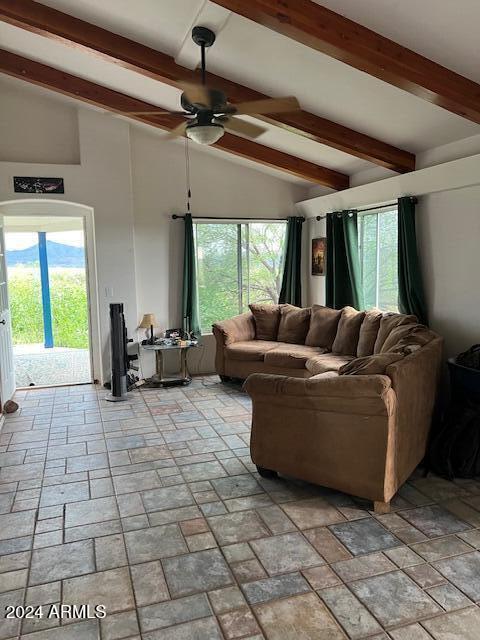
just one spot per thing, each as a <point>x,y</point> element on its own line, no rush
<point>291,289</point>
<point>190,313</point>
<point>343,280</point>
<point>411,298</point>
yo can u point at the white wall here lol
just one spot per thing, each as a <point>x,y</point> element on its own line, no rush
<point>219,188</point>
<point>49,135</point>
<point>315,285</point>
<point>448,234</point>
<point>103,182</point>
<point>134,180</point>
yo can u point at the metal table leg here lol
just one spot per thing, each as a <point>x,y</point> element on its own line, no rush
<point>159,365</point>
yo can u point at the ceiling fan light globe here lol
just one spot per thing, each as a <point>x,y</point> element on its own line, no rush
<point>205,133</point>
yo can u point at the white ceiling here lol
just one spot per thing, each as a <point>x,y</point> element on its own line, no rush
<point>273,64</point>
<point>445,31</point>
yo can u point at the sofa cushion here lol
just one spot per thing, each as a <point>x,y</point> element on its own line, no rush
<point>294,324</point>
<point>370,365</point>
<point>267,319</point>
<point>235,329</point>
<point>326,362</point>
<point>325,374</point>
<point>251,350</point>
<point>407,338</point>
<point>348,330</point>
<point>291,356</point>
<point>323,326</point>
<point>388,323</point>
<point>368,332</point>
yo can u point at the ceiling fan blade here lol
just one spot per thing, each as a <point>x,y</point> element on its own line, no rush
<point>154,113</point>
<point>270,105</point>
<point>196,93</point>
<point>178,131</point>
<point>246,128</point>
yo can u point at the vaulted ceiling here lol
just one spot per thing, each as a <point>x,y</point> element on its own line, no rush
<point>365,100</point>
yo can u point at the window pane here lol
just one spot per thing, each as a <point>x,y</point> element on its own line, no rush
<point>368,254</point>
<point>262,251</point>
<point>388,251</point>
<point>378,257</point>
<point>217,273</point>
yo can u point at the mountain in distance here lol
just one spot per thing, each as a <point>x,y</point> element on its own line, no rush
<point>59,255</point>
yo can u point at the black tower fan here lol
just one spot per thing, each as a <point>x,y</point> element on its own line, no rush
<point>118,348</point>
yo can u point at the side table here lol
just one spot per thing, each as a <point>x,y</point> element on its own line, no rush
<point>160,379</point>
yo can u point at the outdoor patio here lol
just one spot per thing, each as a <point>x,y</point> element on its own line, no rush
<point>35,365</point>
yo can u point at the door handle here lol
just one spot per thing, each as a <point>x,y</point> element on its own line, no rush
<point>3,322</point>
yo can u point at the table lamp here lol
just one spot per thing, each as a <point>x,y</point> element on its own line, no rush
<point>148,322</point>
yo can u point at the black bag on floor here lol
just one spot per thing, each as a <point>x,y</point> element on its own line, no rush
<point>455,451</point>
<point>470,357</point>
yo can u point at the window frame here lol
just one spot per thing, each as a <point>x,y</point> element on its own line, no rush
<point>239,223</point>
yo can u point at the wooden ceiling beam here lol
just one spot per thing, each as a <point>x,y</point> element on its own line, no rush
<point>116,102</point>
<point>347,41</point>
<point>51,23</point>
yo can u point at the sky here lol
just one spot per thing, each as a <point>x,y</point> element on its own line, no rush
<point>24,239</point>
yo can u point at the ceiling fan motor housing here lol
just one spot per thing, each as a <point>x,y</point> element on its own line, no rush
<point>218,103</point>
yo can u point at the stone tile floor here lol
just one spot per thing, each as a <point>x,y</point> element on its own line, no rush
<point>153,509</point>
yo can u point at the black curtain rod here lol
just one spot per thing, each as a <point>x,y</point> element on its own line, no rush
<point>176,217</point>
<point>381,206</point>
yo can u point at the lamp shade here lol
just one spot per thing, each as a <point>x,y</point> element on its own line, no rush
<point>148,321</point>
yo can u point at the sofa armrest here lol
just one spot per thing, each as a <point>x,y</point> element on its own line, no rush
<point>337,432</point>
<point>415,380</point>
<point>235,329</point>
<point>259,384</point>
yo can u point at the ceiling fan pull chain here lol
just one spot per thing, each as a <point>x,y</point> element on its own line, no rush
<point>187,174</point>
<point>203,64</point>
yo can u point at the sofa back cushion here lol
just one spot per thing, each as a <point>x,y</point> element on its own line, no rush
<point>407,338</point>
<point>267,319</point>
<point>369,365</point>
<point>294,324</point>
<point>368,333</point>
<point>348,331</point>
<point>388,323</point>
<point>323,326</point>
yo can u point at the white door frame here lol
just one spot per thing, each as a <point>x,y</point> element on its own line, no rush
<point>61,208</point>
<point>7,369</point>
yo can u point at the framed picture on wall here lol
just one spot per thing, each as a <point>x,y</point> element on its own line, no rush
<point>319,250</point>
<point>26,184</point>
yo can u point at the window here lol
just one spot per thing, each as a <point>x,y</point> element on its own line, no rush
<point>377,236</point>
<point>237,264</point>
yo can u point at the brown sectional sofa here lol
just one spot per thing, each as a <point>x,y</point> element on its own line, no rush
<point>350,408</point>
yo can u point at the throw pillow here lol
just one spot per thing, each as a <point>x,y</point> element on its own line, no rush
<point>267,319</point>
<point>407,338</point>
<point>369,365</point>
<point>294,324</point>
<point>368,333</point>
<point>388,323</point>
<point>346,340</point>
<point>323,326</point>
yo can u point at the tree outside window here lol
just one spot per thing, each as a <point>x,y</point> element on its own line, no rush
<point>378,245</point>
<point>237,264</point>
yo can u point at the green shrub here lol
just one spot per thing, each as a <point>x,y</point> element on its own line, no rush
<point>68,294</point>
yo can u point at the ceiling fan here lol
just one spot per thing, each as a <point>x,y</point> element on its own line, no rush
<point>208,112</point>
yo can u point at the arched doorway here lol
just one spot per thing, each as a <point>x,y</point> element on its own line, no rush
<point>51,269</point>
